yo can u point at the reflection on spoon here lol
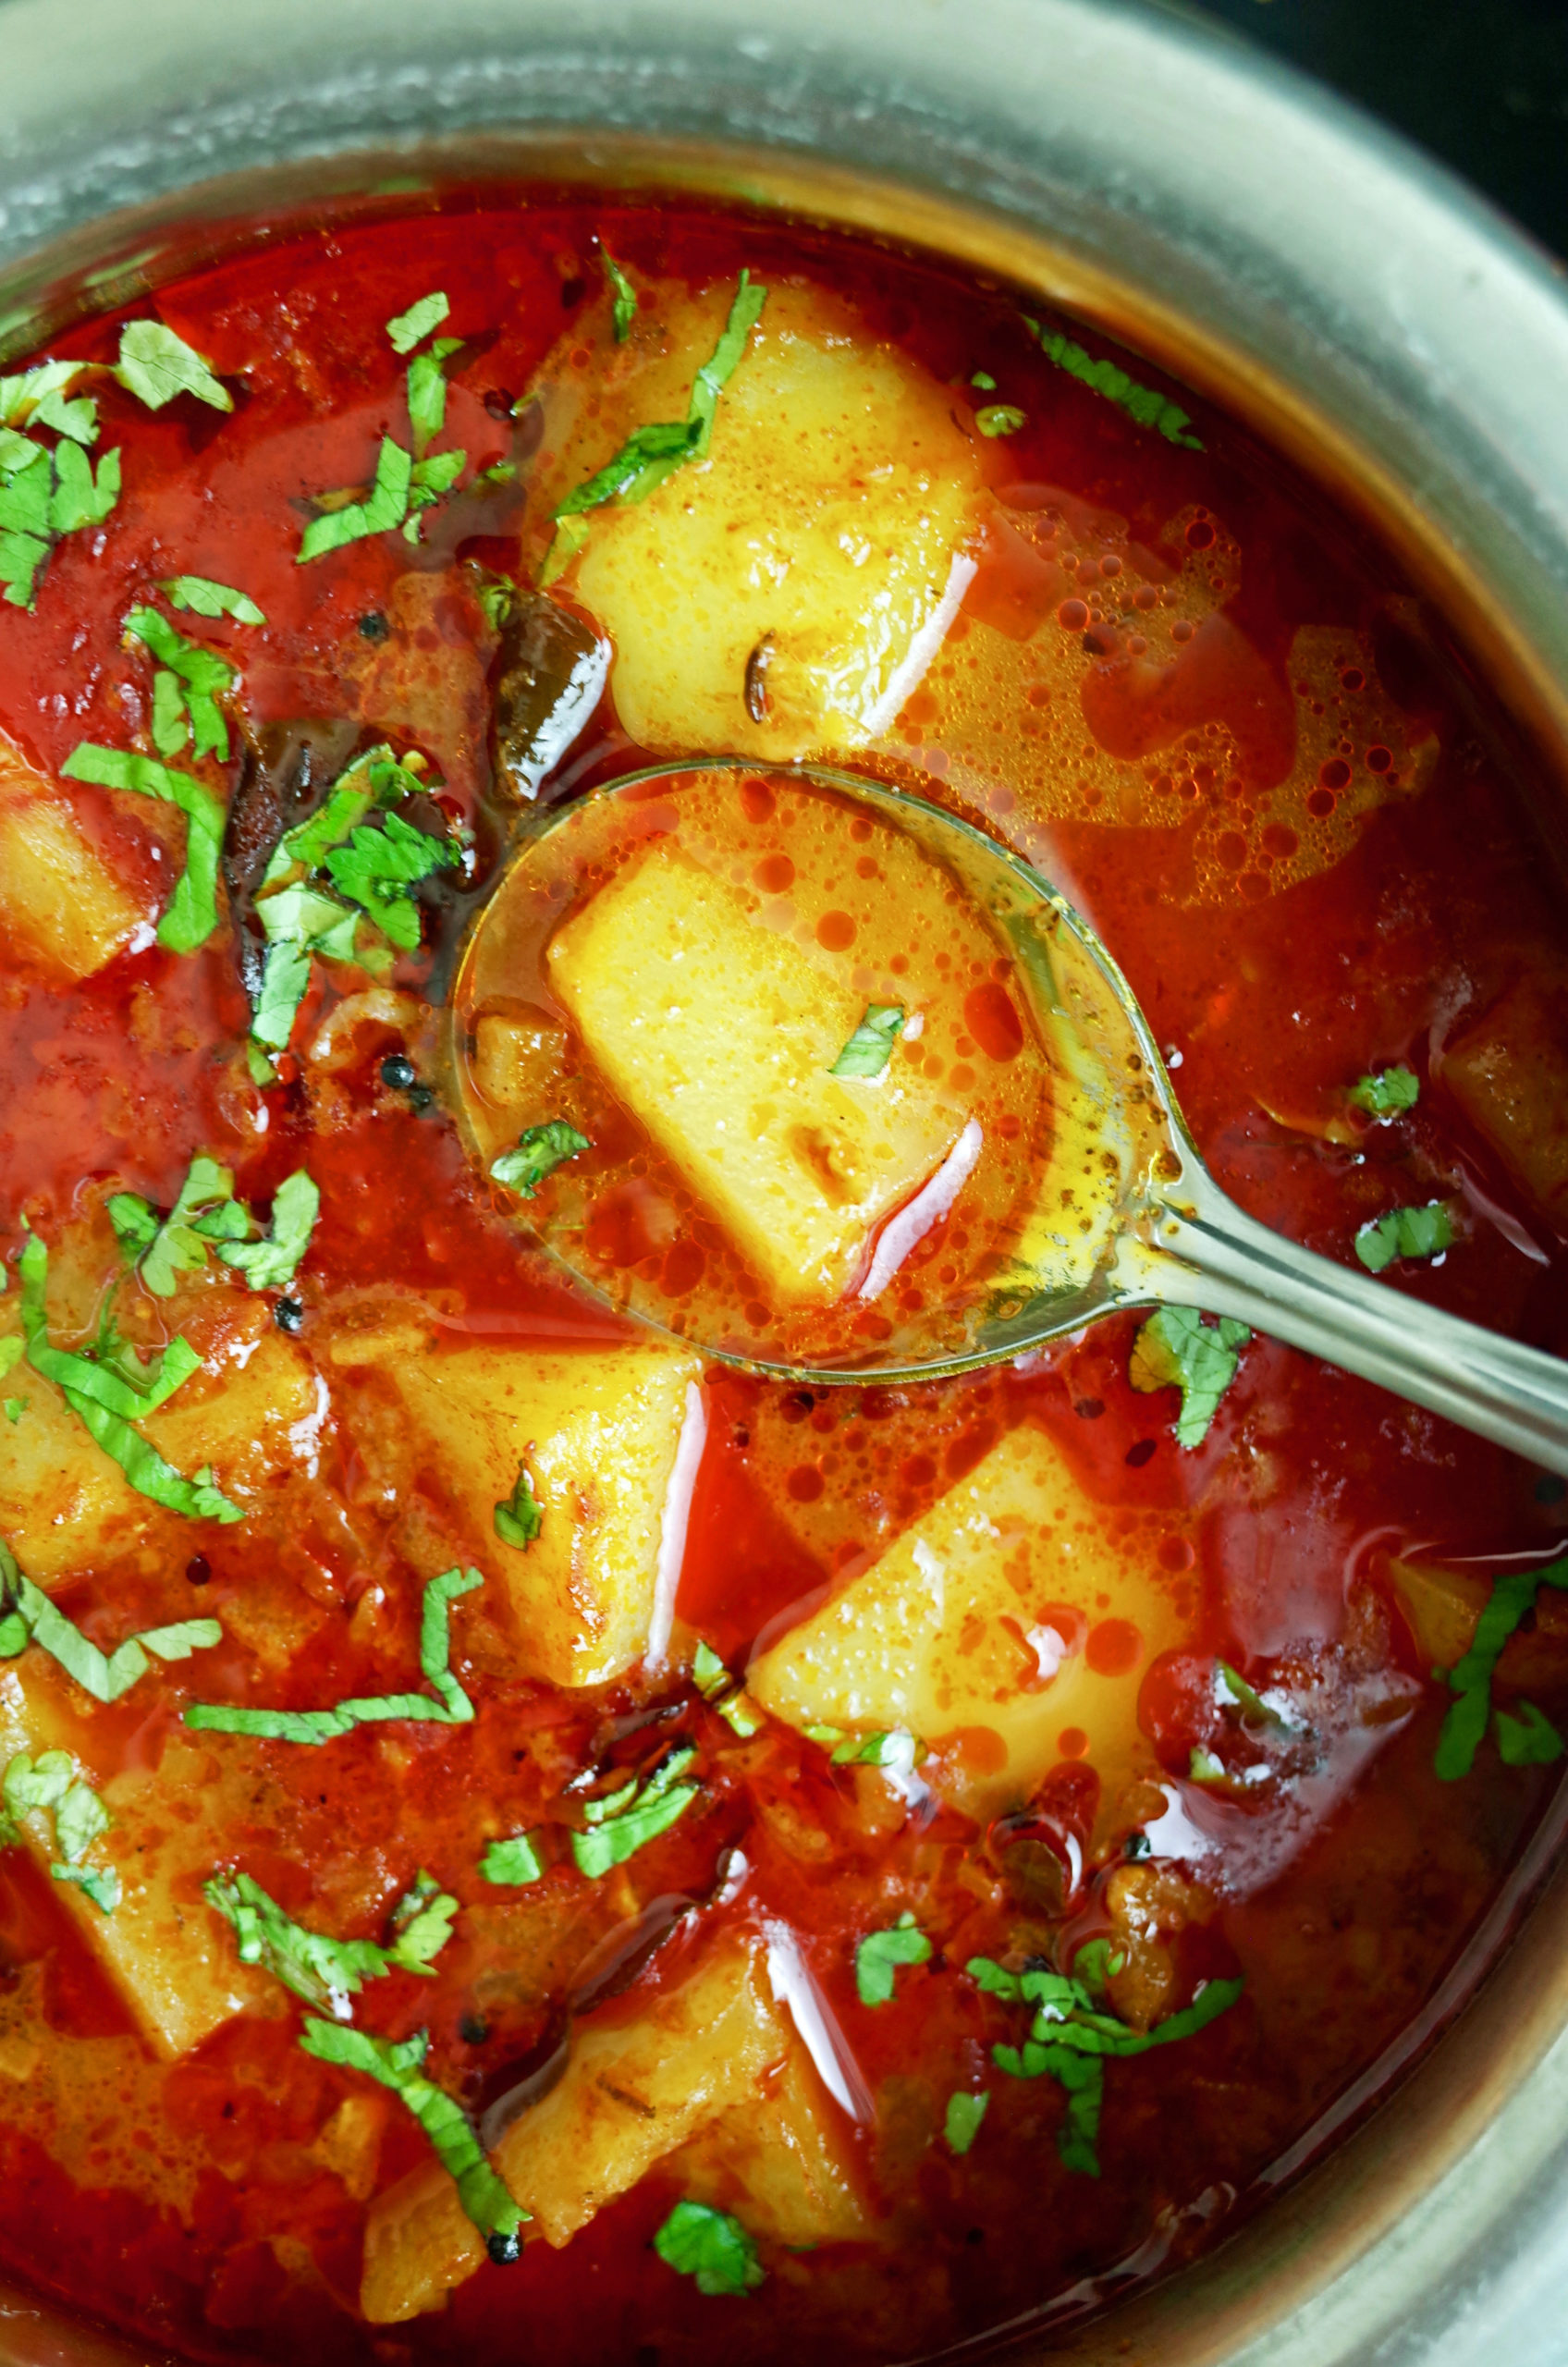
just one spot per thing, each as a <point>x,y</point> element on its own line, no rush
<point>818,1077</point>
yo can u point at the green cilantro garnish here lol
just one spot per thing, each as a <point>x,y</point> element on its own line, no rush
<point>198,677</point>
<point>870,1047</point>
<point>961,2125</point>
<point>519,1519</point>
<point>1104,378</point>
<point>898,1747</point>
<point>427,399</point>
<point>431,479</point>
<point>379,865</point>
<point>1528,1739</point>
<point>272,1264</point>
<point>1386,1094</point>
<point>47,494</point>
<point>1000,418</point>
<point>385,507</point>
<point>156,364</point>
<point>203,597</point>
<point>101,1886</point>
<point>1069,2037</point>
<point>711,2247</point>
<point>1405,1232</point>
<point>540,1150</point>
<point>657,450</point>
<point>716,1685</point>
<point>107,1403</point>
<point>36,397</point>
<point>31,1616</point>
<point>192,913</point>
<point>984,381</point>
<point>625,296</point>
<point>634,1815</point>
<point>1177,1349</point>
<point>1251,1704</point>
<point>50,1785</point>
<point>450,1708</point>
<point>325,1971</point>
<point>396,2064</point>
<point>417,321</point>
<point>1513,1595</point>
<point>204,1211</point>
<point>513,1861</point>
<point>880,1954</point>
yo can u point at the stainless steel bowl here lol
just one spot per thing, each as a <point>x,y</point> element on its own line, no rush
<point>1340,294</point>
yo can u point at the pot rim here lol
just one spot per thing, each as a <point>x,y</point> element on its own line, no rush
<point>1341,295</point>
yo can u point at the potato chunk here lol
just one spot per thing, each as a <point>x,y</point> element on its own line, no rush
<point>65,1503</point>
<point>719,1033</point>
<point>169,1955</point>
<point>61,907</point>
<point>782,2163</point>
<point>785,594</point>
<point>644,2075</point>
<point>1509,1074</point>
<point>1008,1627</point>
<point>598,1432</point>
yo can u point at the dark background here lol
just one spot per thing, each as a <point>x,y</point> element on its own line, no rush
<point>1483,84</point>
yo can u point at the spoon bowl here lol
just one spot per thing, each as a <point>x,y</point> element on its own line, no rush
<point>1108,1208</point>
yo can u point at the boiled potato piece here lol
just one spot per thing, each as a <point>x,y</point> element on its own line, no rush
<point>1008,1628</point>
<point>719,1033</point>
<point>819,543</point>
<point>254,1410</point>
<point>61,907</point>
<point>597,1431</point>
<point>781,2162</point>
<point>167,1951</point>
<point>644,2075</point>
<point>1509,1077</point>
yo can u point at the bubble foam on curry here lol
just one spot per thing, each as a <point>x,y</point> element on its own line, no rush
<point>520,1843</point>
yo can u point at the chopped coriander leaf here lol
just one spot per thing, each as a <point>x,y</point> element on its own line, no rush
<point>711,2247</point>
<point>376,779</point>
<point>519,1519</point>
<point>1103,378</point>
<point>870,1047</point>
<point>79,498</point>
<point>272,1264</point>
<point>396,2064</point>
<point>422,1925</point>
<point>880,1954</point>
<point>284,981</point>
<point>32,1786</point>
<point>418,321</point>
<point>204,676</point>
<point>1386,1094</point>
<point>1528,1739</point>
<point>107,1403</point>
<point>169,728</point>
<point>192,913</point>
<point>984,381</point>
<point>625,296</point>
<point>708,1673</point>
<point>715,1684</point>
<point>1068,2036</point>
<point>451,1707</point>
<point>206,1210</point>
<point>1177,1349</point>
<point>385,507</point>
<point>513,1861</point>
<point>540,1150</point>
<point>1513,1595</point>
<point>1405,1232</point>
<point>1000,418</point>
<point>155,364</point>
<point>14,1409</point>
<point>431,479</point>
<point>964,2116</point>
<point>427,392</point>
<point>12,1350</point>
<point>79,1821</point>
<point>656,453</point>
<point>32,397</point>
<point>633,1816</point>
<point>567,540</point>
<point>378,867</point>
<point>103,1887</point>
<point>1235,1688</point>
<point>104,1676</point>
<point>203,597</point>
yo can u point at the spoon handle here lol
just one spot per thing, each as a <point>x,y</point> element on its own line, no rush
<point>1208,1252</point>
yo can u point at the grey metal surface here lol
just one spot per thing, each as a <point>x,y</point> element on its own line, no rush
<point>1298,241</point>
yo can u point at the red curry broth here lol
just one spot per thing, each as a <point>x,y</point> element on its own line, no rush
<point>202,2204</point>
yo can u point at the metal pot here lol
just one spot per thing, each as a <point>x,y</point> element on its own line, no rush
<point>1355,307</point>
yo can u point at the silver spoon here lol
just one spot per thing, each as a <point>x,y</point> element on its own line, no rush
<point>1150,1226</point>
